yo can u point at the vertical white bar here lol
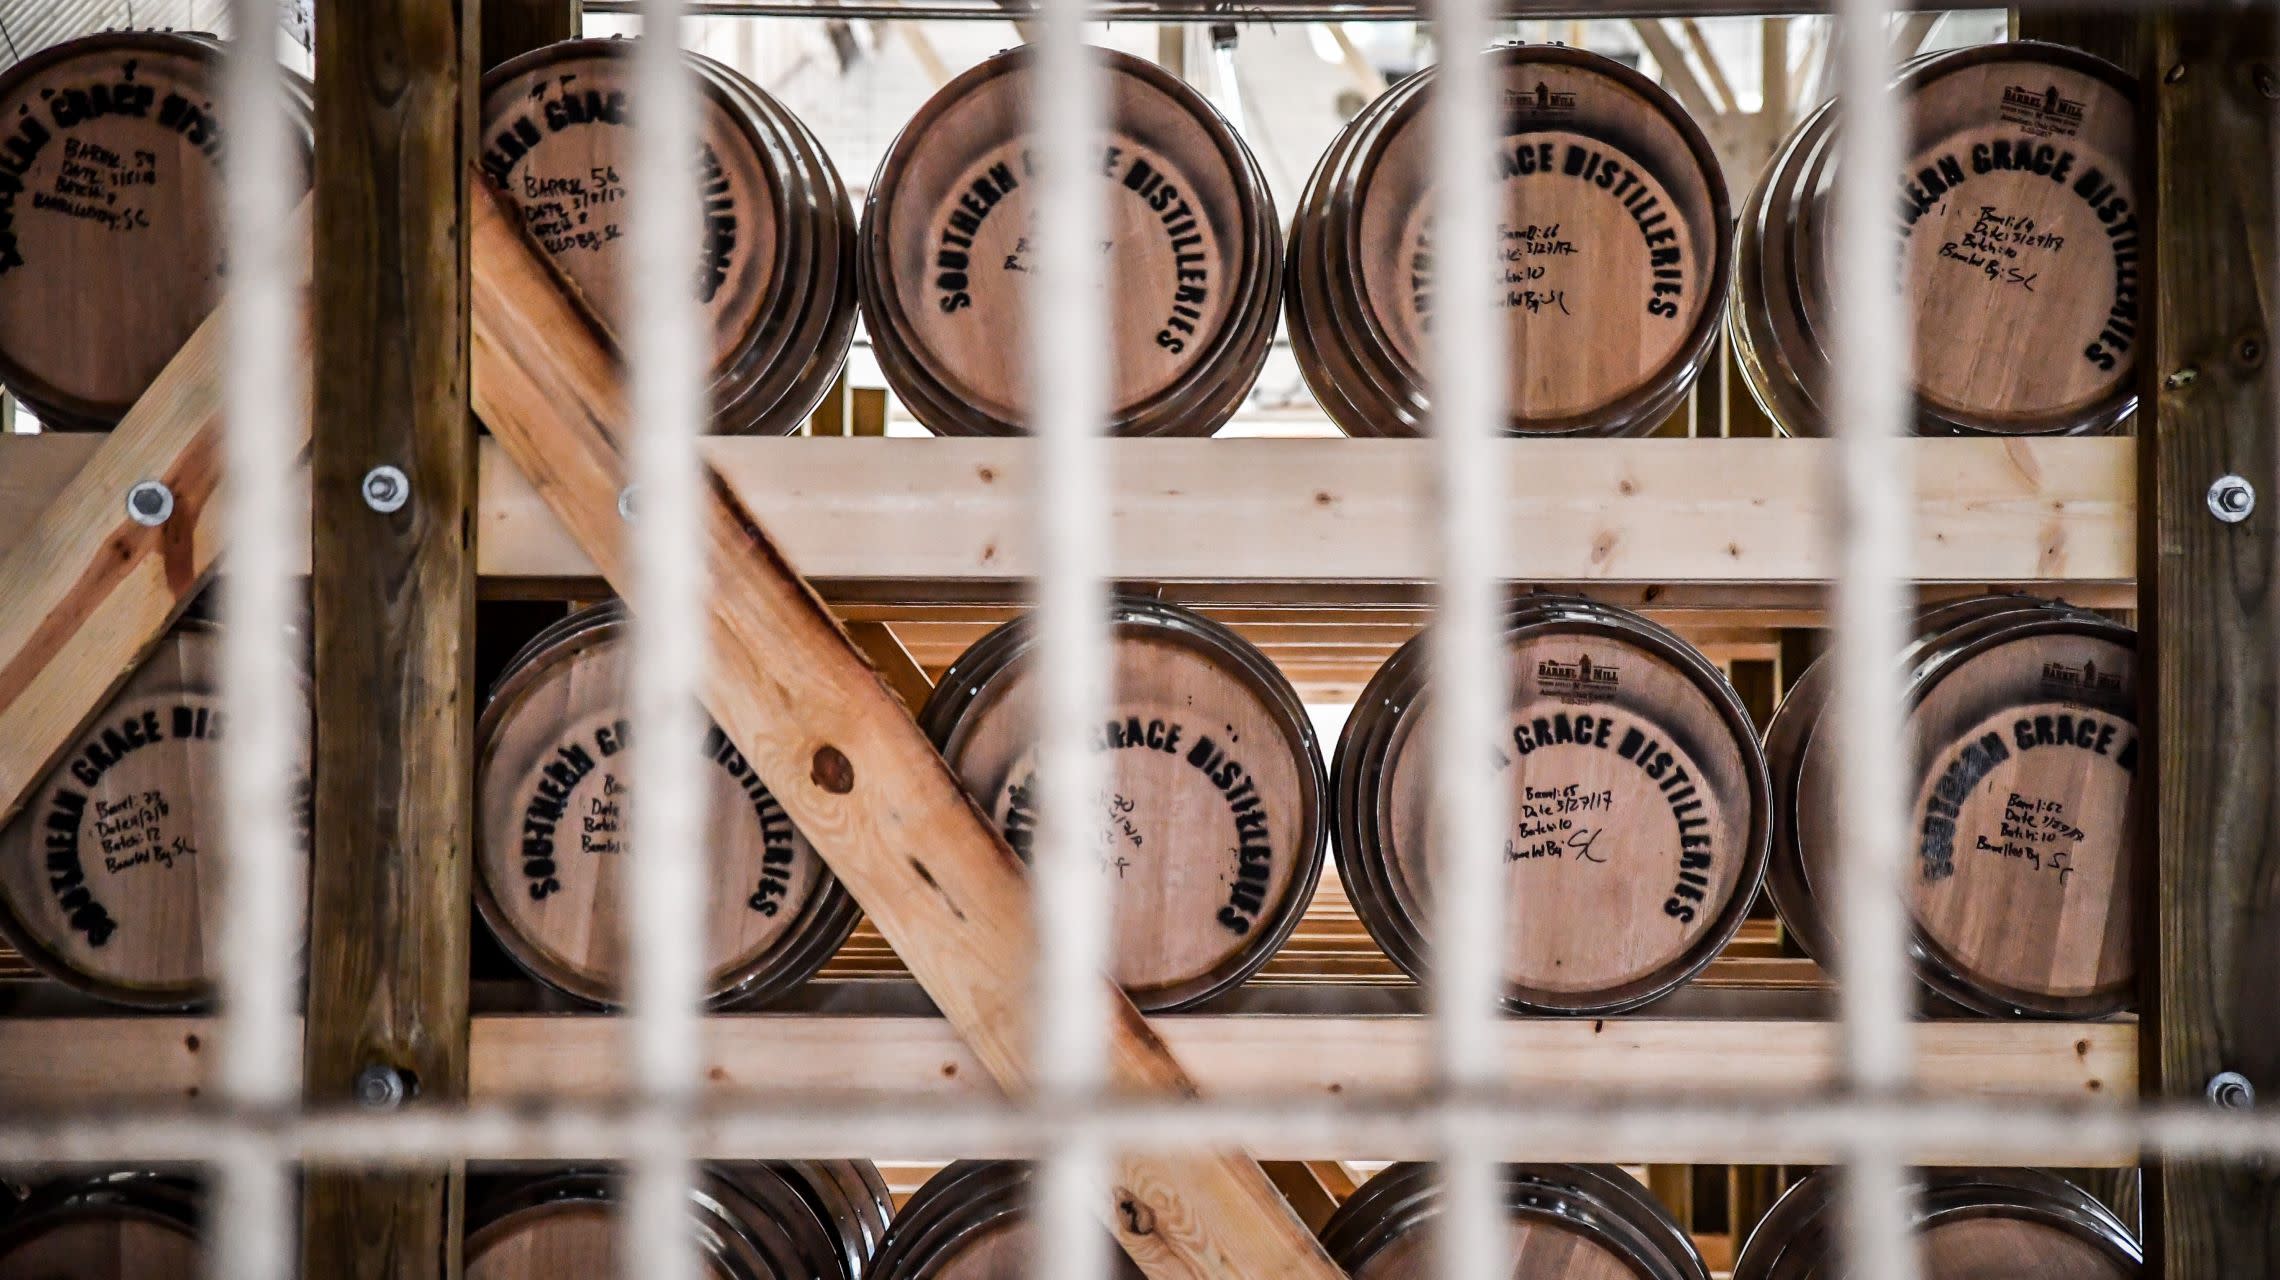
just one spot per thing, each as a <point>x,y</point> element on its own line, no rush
<point>665,343</point>
<point>1470,671</point>
<point>260,861</point>
<point>1870,399</point>
<point>1068,374</point>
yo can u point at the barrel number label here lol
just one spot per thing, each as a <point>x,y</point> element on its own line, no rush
<point>1996,242</point>
<point>1139,177</point>
<point>580,209</point>
<point>1547,268</point>
<point>96,179</point>
<point>120,830</point>
<point>2035,828</point>
<point>1561,820</point>
<point>1123,832</point>
<point>560,805</point>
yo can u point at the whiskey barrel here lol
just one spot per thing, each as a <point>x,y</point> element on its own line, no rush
<point>552,824</point>
<point>774,270</point>
<point>2022,808</point>
<point>112,1226</point>
<point>1639,804</point>
<point>1192,262</point>
<point>971,1222</point>
<point>2019,249</point>
<point>2020,1224</point>
<point>1567,1222</point>
<point>752,1221</point>
<point>1610,265</point>
<point>111,215</point>
<point>102,882</point>
<point>1211,834</point>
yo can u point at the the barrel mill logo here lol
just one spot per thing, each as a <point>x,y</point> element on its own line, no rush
<point>1543,100</point>
<point>2062,681</point>
<point>2045,112</point>
<point>1581,678</point>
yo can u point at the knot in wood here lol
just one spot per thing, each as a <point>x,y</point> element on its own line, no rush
<point>832,770</point>
<point>1139,1219</point>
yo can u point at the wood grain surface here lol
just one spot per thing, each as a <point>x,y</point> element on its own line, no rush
<point>2211,623</point>
<point>103,1244</point>
<point>393,611</point>
<point>842,753</point>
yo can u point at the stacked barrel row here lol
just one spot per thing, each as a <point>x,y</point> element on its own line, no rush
<point>1617,253</point>
<point>833,1220</point>
<point>1645,813</point>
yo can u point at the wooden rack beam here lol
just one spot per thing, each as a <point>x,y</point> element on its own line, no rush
<point>393,613</point>
<point>2212,623</point>
<point>1713,512</point>
<point>46,1062</point>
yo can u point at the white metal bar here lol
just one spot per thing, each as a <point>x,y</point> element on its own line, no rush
<point>1783,1130</point>
<point>261,863</point>
<point>1470,671</point>
<point>665,346</point>
<point>1870,393</point>
<point>1067,335</point>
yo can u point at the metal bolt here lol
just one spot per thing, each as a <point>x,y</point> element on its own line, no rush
<point>2231,499</point>
<point>386,489</point>
<point>625,503</point>
<point>2175,74</point>
<point>2250,351</point>
<point>2232,1091</point>
<point>150,504</point>
<point>380,1087</point>
<point>2265,83</point>
<point>2182,378</point>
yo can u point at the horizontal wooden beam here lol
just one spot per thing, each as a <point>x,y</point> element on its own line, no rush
<point>50,1062</point>
<point>1710,512</point>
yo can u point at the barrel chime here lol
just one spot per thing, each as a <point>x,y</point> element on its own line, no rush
<point>1971,1224</point>
<point>552,830</point>
<point>111,247</point>
<point>1212,829</point>
<point>773,271</point>
<point>2017,217</point>
<point>1640,816</point>
<point>2022,713</point>
<point>1191,258</point>
<point>1609,263</point>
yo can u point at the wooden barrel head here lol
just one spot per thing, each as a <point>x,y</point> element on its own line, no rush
<point>1190,253</point>
<point>104,878</point>
<point>553,818</point>
<point>1971,1224</point>
<point>2021,819</point>
<point>771,280</point>
<point>749,1221</point>
<point>2001,1248</point>
<point>2019,215</point>
<point>110,217</point>
<point>130,1225</point>
<point>1638,801</point>
<point>2019,243</point>
<point>1566,1222</point>
<point>1610,263</point>
<point>103,1244</point>
<point>970,1222</point>
<point>1212,830</point>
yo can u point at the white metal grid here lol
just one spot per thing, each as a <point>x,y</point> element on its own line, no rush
<point>252,1130</point>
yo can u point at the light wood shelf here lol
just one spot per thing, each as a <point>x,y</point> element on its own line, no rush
<point>1329,520</point>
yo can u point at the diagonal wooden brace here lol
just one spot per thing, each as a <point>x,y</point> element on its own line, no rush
<point>90,591</point>
<point>841,752</point>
